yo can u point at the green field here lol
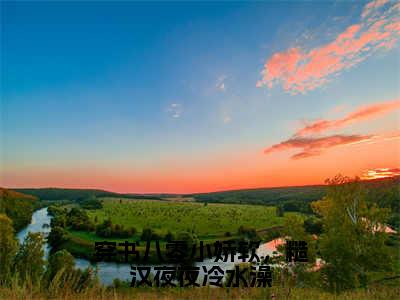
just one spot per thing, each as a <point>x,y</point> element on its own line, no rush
<point>203,220</point>
<point>209,222</point>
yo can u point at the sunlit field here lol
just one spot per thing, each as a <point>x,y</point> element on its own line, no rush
<point>204,220</point>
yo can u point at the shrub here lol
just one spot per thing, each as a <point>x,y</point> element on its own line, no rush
<point>147,234</point>
<point>107,229</point>
<point>248,232</point>
<point>57,236</point>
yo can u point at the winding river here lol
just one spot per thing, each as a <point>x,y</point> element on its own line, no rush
<point>107,271</point>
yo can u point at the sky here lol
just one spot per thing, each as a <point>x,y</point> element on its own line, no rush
<point>184,97</point>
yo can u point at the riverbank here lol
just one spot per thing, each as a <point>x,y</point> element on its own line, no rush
<point>108,271</point>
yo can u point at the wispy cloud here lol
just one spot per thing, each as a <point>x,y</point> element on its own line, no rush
<point>361,114</point>
<point>175,110</point>
<point>380,173</point>
<point>371,7</point>
<point>312,146</point>
<point>299,70</point>
<point>226,119</point>
<point>220,84</point>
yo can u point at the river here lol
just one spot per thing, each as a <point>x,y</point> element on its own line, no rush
<point>107,271</point>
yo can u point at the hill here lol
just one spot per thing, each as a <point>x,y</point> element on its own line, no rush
<point>383,191</point>
<point>6,193</point>
<point>264,195</point>
<point>18,206</point>
<point>76,194</point>
<point>297,198</point>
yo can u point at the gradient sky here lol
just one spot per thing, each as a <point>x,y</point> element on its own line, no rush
<point>195,97</point>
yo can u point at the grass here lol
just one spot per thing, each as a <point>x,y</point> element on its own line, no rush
<point>376,292</point>
<point>210,220</point>
<point>81,244</point>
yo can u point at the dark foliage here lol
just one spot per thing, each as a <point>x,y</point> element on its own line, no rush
<point>280,211</point>
<point>289,198</point>
<point>57,237</point>
<point>91,203</point>
<point>78,219</point>
<point>248,232</point>
<point>313,225</point>
<point>149,234</point>
<point>77,195</point>
<point>107,229</point>
<point>17,206</point>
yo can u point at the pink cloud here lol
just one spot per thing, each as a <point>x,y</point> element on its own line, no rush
<point>312,146</point>
<point>299,70</point>
<point>361,114</point>
<point>372,6</point>
<point>380,173</point>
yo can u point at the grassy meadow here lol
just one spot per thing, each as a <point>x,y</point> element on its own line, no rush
<point>209,222</point>
<point>204,220</point>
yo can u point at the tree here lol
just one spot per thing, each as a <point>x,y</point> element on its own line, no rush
<point>29,262</point>
<point>313,225</point>
<point>91,202</point>
<point>79,220</point>
<point>8,248</point>
<point>147,234</point>
<point>187,237</point>
<point>59,220</point>
<point>248,233</point>
<point>61,261</point>
<point>351,244</point>
<point>18,207</point>
<point>294,230</point>
<point>190,240</point>
<point>295,273</point>
<point>57,236</point>
<point>280,211</point>
<point>61,273</point>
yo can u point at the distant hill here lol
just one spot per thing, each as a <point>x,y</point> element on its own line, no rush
<point>76,194</point>
<point>288,196</point>
<point>6,193</point>
<point>257,195</point>
<point>17,206</point>
<point>295,198</point>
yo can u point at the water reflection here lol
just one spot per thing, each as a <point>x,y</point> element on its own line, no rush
<point>40,223</point>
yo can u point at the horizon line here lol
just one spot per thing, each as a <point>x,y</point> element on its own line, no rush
<point>183,194</point>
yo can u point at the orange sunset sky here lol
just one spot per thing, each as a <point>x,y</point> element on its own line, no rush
<point>198,97</point>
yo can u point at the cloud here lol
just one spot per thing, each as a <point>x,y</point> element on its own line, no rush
<point>312,146</point>
<point>220,84</point>
<point>380,173</point>
<point>226,119</point>
<point>391,136</point>
<point>300,70</point>
<point>370,7</point>
<point>361,114</point>
<point>175,110</point>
